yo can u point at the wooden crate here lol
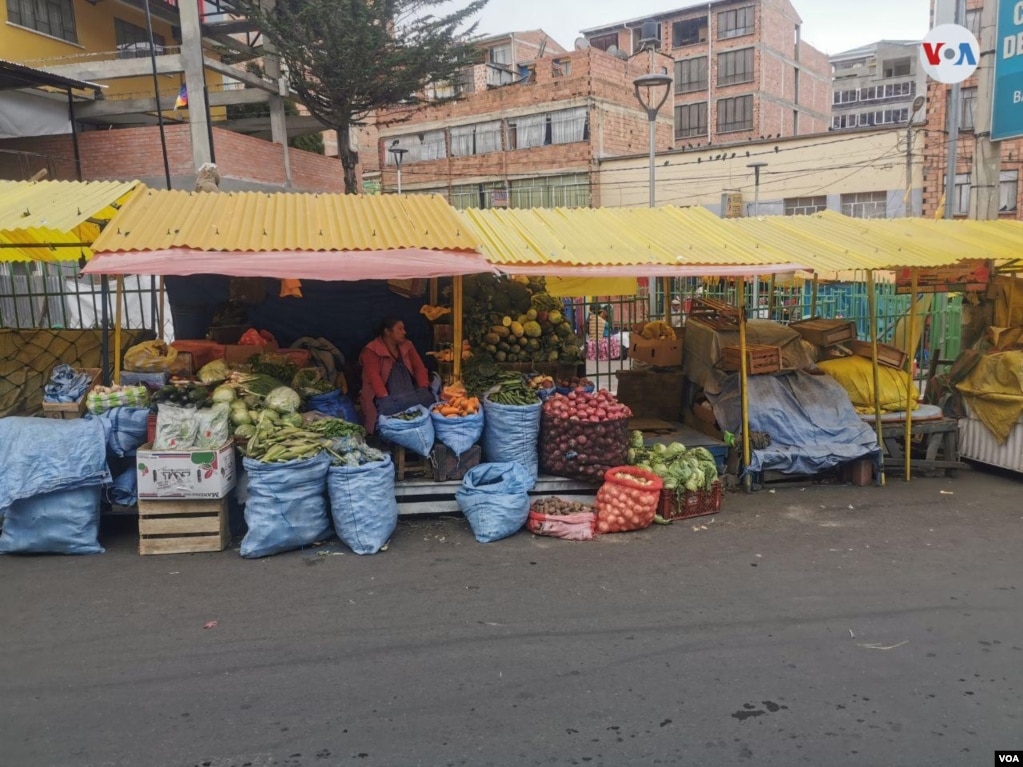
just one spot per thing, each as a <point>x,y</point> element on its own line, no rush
<point>173,526</point>
<point>760,358</point>
<point>76,409</point>
<point>890,356</point>
<point>825,332</point>
<point>448,467</point>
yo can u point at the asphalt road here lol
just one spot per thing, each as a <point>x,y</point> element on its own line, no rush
<point>820,626</point>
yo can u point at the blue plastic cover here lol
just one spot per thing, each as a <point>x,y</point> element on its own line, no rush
<point>363,505</point>
<point>494,497</point>
<point>512,433</point>
<point>125,489</point>
<point>334,404</point>
<point>286,506</point>
<point>42,455</point>
<point>60,522</point>
<point>812,424</point>
<point>128,427</point>
<point>416,435</point>
<point>459,432</point>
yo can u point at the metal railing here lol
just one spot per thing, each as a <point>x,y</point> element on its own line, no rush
<point>40,294</point>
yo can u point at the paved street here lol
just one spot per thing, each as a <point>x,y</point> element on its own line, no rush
<point>819,626</point>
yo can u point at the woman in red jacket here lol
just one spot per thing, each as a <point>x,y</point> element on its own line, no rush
<point>393,375</point>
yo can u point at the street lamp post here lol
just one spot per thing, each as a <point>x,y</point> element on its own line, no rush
<point>918,103</point>
<point>646,87</point>
<point>399,154</point>
<point>756,213</point>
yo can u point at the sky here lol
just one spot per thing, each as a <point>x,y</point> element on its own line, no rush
<point>831,26</point>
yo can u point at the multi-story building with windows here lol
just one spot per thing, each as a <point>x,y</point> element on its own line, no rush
<point>1010,195</point>
<point>741,68</point>
<point>876,85</point>
<point>531,124</point>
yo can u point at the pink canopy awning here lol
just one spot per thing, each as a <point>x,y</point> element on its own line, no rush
<point>351,265</point>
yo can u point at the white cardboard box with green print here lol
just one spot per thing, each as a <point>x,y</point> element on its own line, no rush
<point>186,473</point>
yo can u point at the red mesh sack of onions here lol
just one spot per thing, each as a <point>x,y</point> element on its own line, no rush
<point>627,500</point>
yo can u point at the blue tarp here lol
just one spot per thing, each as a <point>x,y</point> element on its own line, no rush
<point>41,455</point>
<point>812,424</point>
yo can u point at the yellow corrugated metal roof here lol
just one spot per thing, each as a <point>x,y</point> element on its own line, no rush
<point>260,222</point>
<point>666,236</point>
<point>33,212</point>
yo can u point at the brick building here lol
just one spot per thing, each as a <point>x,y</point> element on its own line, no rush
<point>741,70</point>
<point>530,125</point>
<point>936,145</point>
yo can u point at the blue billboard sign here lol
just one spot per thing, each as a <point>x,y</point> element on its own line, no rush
<point>1007,102</point>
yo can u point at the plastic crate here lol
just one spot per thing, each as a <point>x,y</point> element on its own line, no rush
<point>697,504</point>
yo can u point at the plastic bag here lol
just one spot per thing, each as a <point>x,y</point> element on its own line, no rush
<point>125,489</point>
<point>416,435</point>
<point>214,428</point>
<point>150,357</point>
<point>494,497</point>
<point>127,432</point>
<point>286,507</point>
<point>569,527</point>
<point>627,500</point>
<point>334,404</point>
<point>458,432</point>
<point>61,522</point>
<point>512,433</point>
<point>176,428</point>
<point>214,372</point>
<point>363,505</point>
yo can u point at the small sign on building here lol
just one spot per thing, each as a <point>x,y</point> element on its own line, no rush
<point>733,205</point>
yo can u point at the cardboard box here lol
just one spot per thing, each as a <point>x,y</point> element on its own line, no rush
<point>662,354</point>
<point>238,354</point>
<point>185,473</point>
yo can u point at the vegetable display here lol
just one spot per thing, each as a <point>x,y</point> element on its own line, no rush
<point>681,469</point>
<point>583,435</point>
<point>627,500</point>
<point>513,390</point>
<point>558,518</point>
<point>457,407</point>
<point>557,507</point>
<point>274,365</point>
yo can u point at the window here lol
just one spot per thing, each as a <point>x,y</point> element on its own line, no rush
<point>691,120</point>
<point>735,114</point>
<point>846,97</point>
<point>562,127</point>
<point>973,22</point>
<point>421,147</point>
<point>885,117</point>
<point>898,68</point>
<point>133,42</point>
<point>481,138</point>
<point>804,206</point>
<point>968,100</point>
<point>568,191</point>
<point>865,205</point>
<point>735,23</point>
<point>561,67</point>
<point>735,67</point>
<point>603,42</point>
<point>1008,191</point>
<point>51,17</point>
<point>689,32</point>
<point>501,55</point>
<point>961,195</point>
<point>691,75</point>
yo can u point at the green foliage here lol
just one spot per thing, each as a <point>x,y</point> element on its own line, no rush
<point>347,59</point>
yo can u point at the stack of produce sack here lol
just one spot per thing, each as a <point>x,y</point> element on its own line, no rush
<point>512,426</point>
<point>457,419</point>
<point>584,434</point>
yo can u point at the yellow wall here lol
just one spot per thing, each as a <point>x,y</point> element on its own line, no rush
<point>829,163</point>
<point>95,28</point>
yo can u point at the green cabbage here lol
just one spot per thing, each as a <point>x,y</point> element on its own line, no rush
<point>224,394</point>
<point>283,400</point>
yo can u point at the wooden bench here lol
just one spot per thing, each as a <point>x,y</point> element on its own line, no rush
<point>936,442</point>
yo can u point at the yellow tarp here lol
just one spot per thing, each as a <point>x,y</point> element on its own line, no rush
<point>56,213</point>
<point>856,375</point>
<point>1009,303</point>
<point>993,390</point>
<point>573,287</point>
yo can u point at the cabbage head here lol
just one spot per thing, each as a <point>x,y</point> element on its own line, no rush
<point>283,400</point>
